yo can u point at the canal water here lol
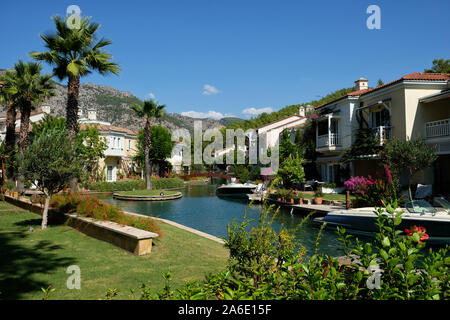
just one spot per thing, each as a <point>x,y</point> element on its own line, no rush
<point>201,209</point>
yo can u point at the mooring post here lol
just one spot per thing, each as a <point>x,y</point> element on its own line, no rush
<point>348,203</point>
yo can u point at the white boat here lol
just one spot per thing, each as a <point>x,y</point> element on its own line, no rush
<point>236,190</point>
<point>436,220</point>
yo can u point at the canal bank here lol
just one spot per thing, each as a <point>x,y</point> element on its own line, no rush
<point>200,210</point>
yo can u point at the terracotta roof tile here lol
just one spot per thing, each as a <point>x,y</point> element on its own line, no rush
<point>102,127</point>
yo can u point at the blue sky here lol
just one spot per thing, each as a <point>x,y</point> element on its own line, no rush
<point>221,57</point>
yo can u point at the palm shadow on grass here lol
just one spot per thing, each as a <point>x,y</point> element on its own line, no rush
<point>19,264</point>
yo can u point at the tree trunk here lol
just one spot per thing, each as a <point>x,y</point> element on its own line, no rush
<point>147,155</point>
<point>10,139</point>
<point>24,125</point>
<point>73,90</point>
<point>45,213</point>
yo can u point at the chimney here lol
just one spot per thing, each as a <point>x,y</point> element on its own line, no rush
<point>45,109</point>
<point>92,115</point>
<point>361,84</point>
<point>301,112</point>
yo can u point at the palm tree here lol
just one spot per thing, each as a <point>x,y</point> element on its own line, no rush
<point>30,89</point>
<point>74,53</point>
<point>149,110</point>
<point>7,97</point>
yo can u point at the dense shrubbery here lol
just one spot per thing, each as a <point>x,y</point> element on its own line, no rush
<point>167,183</point>
<point>91,207</point>
<point>157,183</point>
<point>117,185</point>
<point>265,264</point>
<point>373,191</point>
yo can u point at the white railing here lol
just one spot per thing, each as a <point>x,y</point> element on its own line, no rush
<point>440,128</point>
<point>114,152</point>
<point>383,133</point>
<point>328,140</point>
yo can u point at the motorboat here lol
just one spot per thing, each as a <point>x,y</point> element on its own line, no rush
<point>236,190</point>
<point>436,220</point>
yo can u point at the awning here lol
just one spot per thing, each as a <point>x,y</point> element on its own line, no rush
<point>435,97</point>
<point>329,159</point>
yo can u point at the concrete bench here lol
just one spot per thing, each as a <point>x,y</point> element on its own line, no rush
<point>128,238</point>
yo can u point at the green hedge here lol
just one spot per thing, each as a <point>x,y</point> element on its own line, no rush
<point>161,183</point>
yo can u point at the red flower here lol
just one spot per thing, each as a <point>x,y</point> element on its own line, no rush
<point>420,230</point>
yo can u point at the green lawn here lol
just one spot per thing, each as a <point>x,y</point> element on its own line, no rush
<point>147,193</point>
<point>31,260</point>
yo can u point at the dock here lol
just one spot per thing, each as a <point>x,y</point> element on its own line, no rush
<point>319,209</point>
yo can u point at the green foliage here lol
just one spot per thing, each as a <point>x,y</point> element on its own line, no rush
<point>161,146</point>
<point>291,170</point>
<point>51,161</point>
<point>318,193</point>
<point>167,183</point>
<point>48,123</point>
<point>366,143</point>
<point>439,66</point>
<point>130,185</point>
<point>289,148</point>
<point>242,173</point>
<point>117,186</point>
<point>269,265</point>
<point>91,146</point>
<point>74,52</point>
<point>410,155</point>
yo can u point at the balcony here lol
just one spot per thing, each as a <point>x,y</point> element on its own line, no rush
<point>436,129</point>
<point>114,152</point>
<point>383,133</point>
<point>328,140</point>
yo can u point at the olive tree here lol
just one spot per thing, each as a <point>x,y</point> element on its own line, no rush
<point>51,163</point>
<point>410,155</point>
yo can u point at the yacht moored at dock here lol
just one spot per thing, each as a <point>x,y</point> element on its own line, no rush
<point>436,220</point>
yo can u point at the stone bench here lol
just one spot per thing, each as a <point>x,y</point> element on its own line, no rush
<point>131,239</point>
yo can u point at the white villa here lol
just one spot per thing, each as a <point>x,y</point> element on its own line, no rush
<point>415,105</point>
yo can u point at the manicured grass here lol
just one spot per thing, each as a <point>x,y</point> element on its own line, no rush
<point>31,260</point>
<point>148,193</point>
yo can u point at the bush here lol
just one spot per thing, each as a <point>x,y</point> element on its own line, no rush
<point>166,183</point>
<point>91,207</point>
<point>130,185</point>
<point>117,185</point>
<point>269,265</point>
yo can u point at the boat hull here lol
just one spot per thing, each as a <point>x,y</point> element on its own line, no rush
<point>438,228</point>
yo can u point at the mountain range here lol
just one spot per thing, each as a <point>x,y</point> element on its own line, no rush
<point>113,106</point>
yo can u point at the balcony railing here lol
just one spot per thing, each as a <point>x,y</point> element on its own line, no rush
<point>383,133</point>
<point>440,128</point>
<point>114,152</point>
<point>328,140</point>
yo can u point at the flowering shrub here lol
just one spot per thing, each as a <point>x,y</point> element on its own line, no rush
<point>373,191</point>
<point>420,231</point>
<point>91,207</point>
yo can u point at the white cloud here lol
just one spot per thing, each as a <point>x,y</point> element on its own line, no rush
<point>151,95</point>
<point>255,112</point>
<point>202,115</point>
<point>209,90</point>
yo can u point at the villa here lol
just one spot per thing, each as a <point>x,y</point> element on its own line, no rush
<point>414,106</point>
<point>121,143</point>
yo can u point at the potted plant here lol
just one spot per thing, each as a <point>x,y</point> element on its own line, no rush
<point>318,196</point>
